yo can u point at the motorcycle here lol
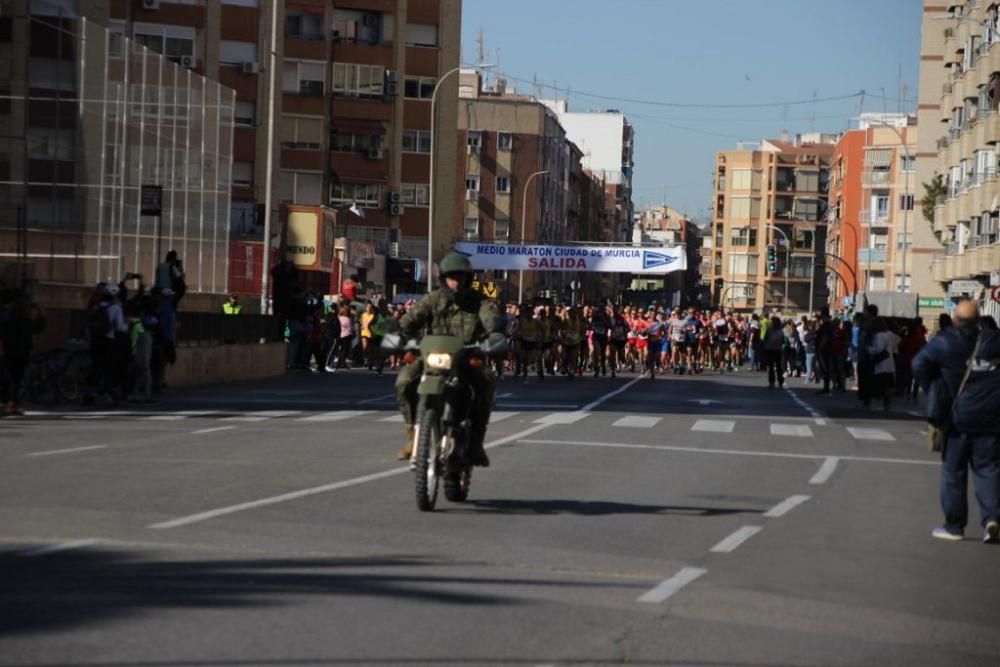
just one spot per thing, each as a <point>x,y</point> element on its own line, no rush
<point>444,411</point>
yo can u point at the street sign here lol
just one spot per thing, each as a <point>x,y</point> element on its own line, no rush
<point>995,294</point>
<point>151,200</point>
<point>994,278</point>
<point>930,302</point>
<point>960,287</point>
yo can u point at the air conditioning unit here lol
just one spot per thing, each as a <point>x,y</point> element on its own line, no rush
<point>187,62</point>
<point>374,153</point>
<point>371,20</point>
<point>150,4</point>
<point>395,197</point>
<point>251,67</point>
<point>391,89</point>
<point>394,250</point>
<point>396,209</point>
<point>472,195</point>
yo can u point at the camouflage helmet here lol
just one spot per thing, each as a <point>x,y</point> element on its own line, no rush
<point>455,263</point>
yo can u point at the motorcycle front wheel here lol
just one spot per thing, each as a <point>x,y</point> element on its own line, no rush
<point>428,437</point>
<point>456,485</point>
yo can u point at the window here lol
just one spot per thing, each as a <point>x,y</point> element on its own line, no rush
<point>470,228</point>
<point>880,207</point>
<point>472,183</point>
<point>878,242</point>
<point>503,185</point>
<point>803,239</point>
<point>354,80</point>
<point>474,139</point>
<point>739,207</point>
<point>904,241</point>
<point>416,141</point>
<point>421,34</point>
<point>116,39</point>
<point>347,142</point>
<point>245,113</point>
<point>808,209</point>
<point>903,283</point>
<point>303,25</point>
<point>806,181</point>
<point>171,41</point>
<point>243,174</point>
<point>415,194</point>
<point>235,54</point>
<point>304,78</point>
<point>986,165</point>
<point>505,141</point>
<point>301,133</point>
<point>743,264</point>
<point>743,237</point>
<point>363,194</point>
<point>418,87</point>
<point>907,162</point>
<point>906,202</point>
<point>297,187</point>
<point>353,25</point>
<point>800,267</point>
<point>501,230</point>
<point>742,179</point>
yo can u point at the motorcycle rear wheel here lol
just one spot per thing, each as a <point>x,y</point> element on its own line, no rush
<point>428,437</point>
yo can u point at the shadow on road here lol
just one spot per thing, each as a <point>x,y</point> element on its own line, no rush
<point>59,590</point>
<point>597,508</point>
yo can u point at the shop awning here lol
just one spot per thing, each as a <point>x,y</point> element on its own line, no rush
<point>878,157</point>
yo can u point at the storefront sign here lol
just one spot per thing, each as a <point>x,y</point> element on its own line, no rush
<point>960,287</point>
<point>302,239</point>
<point>930,302</point>
<point>573,258</point>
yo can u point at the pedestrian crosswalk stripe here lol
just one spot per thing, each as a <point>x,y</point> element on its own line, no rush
<point>637,421</point>
<point>274,413</point>
<point>500,415</point>
<point>396,419</point>
<point>870,433</point>
<point>562,418</point>
<point>794,430</point>
<point>714,426</point>
<point>335,416</point>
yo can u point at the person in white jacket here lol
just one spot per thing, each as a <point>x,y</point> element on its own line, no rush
<point>882,351</point>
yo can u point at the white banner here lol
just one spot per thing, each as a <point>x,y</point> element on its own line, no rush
<point>573,258</point>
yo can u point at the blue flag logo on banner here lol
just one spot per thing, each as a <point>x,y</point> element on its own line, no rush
<point>651,260</point>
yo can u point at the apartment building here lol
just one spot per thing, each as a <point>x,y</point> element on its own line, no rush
<point>667,226</point>
<point>110,154</point>
<point>958,94</point>
<point>771,193</point>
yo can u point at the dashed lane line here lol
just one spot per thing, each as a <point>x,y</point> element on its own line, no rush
<point>215,429</point>
<point>825,471</point>
<point>785,506</point>
<point>56,548</point>
<point>733,541</point>
<point>335,416</point>
<point>668,587</point>
<point>53,452</point>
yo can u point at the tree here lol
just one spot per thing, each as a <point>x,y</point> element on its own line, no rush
<point>933,191</point>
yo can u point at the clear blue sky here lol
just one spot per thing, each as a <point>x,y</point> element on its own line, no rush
<point>705,52</point>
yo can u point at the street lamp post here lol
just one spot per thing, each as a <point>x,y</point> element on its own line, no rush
<point>788,257</point>
<point>430,198</point>
<point>524,206</point>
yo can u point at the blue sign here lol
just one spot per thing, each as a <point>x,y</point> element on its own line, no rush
<point>651,260</point>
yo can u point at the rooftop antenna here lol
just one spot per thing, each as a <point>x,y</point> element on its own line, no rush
<point>481,52</point>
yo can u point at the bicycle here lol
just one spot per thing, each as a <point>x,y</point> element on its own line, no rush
<point>52,377</point>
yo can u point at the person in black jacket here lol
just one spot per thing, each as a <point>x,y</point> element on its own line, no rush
<point>970,416</point>
<point>20,321</point>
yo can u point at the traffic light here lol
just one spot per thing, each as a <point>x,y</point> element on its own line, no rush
<point>772,259</point>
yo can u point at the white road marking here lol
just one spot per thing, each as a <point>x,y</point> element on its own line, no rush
<point>728,452</point>
<point>669,587</point>
<point>730,543</point>
<point>294,495</point>
<point>215,429</point>
<point>825,471</point>
<point>66,451</point>
<point>625,387</point>
<point>793,430</point>
<point>870,433</point>
<point>500,415</point>
<point>785,506</point>
<point>714,426</point>
<point>562,418</point>
<point>914,413</point>
<point>165,418</point>
<point>395,419</point>
<point>376,399</point>
<point>820,421</point>
<point>813,412</point>
<point>637,421</point>
<point>244,419</point>
<point>507,395</point>
<point>539,406</point>
<point>274,413</point>
<point>85,417</point>
<point>56,548</point>
<point>335,416</point>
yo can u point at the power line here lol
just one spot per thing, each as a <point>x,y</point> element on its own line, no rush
<point>690,105</point>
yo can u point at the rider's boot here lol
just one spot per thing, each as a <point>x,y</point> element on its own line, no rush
<point>476,453</point>
<point>406,451</point>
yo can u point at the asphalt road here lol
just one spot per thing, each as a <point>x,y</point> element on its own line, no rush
<point>687,521</point>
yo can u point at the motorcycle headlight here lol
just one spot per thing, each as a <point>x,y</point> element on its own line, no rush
<point>439,361</point>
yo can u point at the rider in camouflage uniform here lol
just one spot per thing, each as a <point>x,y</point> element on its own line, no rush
<point>454,309</point>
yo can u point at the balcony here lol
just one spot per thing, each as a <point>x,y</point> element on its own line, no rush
<point>876,178</point>
<point>938,269</point>
<point>991,129</point>
<point>874,218</point>
<point>871,255</point>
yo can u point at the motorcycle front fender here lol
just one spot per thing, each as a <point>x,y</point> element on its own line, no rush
<point>431,385</point>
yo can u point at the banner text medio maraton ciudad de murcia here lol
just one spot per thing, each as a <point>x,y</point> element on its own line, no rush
<point>607,259</point>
